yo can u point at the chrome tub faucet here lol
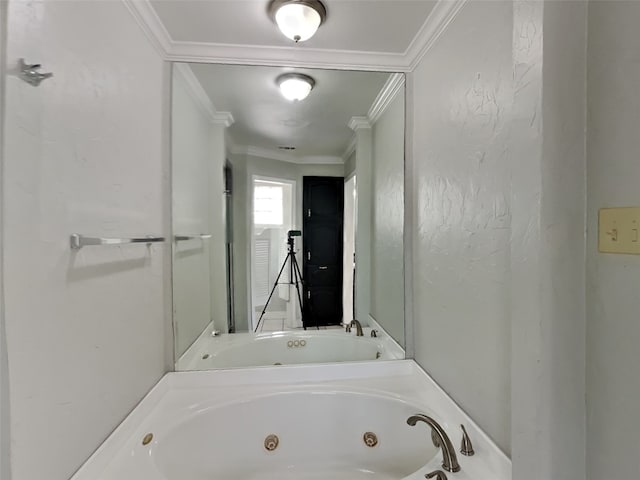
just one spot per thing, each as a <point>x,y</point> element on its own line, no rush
<point>440,439</point>
<point>356,323</point>
<point>439,474</point>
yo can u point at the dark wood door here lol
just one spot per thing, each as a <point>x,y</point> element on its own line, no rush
<point>323,205</point>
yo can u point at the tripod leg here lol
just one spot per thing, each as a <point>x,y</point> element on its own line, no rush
<point>299,279</point>
<point>271,294</point>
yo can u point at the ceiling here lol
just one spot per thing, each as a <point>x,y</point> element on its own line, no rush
<point>381,26</point>
<point>385,35</point>
<point>316,126</point>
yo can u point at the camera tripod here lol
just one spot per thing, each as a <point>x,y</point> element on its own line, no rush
<point>295,277</point>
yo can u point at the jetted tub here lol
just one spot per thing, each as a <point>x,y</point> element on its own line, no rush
<point>280,348</point>
<point>331,421</point>
<point>313,435</point>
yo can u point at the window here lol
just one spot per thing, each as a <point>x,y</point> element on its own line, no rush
<point>267,205</point>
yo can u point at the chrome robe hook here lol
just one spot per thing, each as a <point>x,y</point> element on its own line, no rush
<point>30,74</point>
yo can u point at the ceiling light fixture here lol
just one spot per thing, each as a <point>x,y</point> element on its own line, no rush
<point>298,19</point>
<point>295,86</point>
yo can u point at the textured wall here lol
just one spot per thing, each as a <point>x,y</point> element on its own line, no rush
<point>499,176</point>
<point>462,95</point>
<point>613,170</point>
<point>5,471</point>
<point>563,236</point>
<point>547,161</point>
<point>387,219</point>
<point>85,330</point>
<point>191,154</point>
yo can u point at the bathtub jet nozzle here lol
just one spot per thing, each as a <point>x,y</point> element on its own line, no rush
<point>271,442</point>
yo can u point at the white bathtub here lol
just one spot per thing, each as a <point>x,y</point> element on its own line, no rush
<point>320,435</point>
<point>213,425</point>
<point>280,348</point>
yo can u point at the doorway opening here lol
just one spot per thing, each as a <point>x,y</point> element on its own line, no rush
<point>322,236</point>
<point>273,207</point>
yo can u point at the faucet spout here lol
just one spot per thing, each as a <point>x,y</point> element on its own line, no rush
<point>358,326</point>
<point>440,439</point>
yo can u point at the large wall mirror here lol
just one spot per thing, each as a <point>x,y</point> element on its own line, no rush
<point>288,215</point>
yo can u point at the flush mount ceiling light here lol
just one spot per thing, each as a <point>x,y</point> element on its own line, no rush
<point>295,86</point>
<point>298,19</point>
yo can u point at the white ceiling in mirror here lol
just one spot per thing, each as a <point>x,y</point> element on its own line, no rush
<point>381,26</point>
<point>317,126</point>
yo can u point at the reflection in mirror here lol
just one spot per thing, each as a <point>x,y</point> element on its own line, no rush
<point>287,216</point>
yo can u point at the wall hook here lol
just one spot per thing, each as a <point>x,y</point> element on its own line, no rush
<point>30,74</point>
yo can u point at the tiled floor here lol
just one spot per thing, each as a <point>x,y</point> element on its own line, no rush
<point>272,325</point>
<point>278,324</point>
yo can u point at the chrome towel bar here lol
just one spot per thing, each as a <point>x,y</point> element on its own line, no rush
<point>78,241</point>
<point>181,238</point>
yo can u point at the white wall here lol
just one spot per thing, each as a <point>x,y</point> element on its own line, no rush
<point>563,236</point>
<point>82,153</point>
<point>244,167</point>
<point>191,154</point>
<point>499,170</point>
<point>364,195</point>
<point>387,220</point>
<point>218,263</point>
<point>547,148</point>
<point>5,471</point>
<point>241,232</point>
<point>462,95</point>
<point>613,330</point>
<point>350,164</point>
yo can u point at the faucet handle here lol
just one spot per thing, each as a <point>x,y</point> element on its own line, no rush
<point>374,333</point>
<point>439,474</point>
<point>466,448</point>
<point>347,328</point>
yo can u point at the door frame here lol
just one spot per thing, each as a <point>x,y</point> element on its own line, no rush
<point>347,179</point>
<point>251,321</point>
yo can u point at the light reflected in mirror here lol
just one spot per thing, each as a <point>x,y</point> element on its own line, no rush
<point>287,217</point>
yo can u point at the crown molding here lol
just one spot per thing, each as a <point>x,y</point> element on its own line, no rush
<point>151,25</point>
<point>223,118</point>
<point>294,56</point>
<point>199,96</point>
<point>436,23</point>
<point>284,157</point>
<point>394,84</point>
<point>322,160</point>
<point>358,123</point>
<point>297,55</point>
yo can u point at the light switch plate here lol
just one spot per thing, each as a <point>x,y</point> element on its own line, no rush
<point>618,230</point>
